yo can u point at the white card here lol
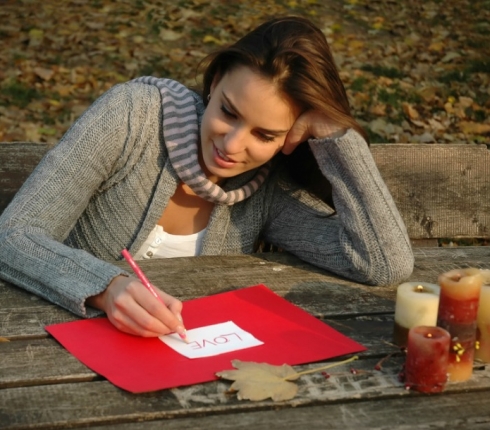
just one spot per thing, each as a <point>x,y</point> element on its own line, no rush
<point>211,340</point>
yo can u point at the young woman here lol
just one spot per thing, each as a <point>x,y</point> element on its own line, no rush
<point>270,153</point>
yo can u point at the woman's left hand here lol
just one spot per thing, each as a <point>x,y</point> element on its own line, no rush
<point>310,124</point>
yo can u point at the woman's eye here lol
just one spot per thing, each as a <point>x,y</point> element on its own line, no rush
<point>227,112</point>
<point>265,137</point>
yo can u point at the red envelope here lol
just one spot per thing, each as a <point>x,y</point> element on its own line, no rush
<point>137,364</point>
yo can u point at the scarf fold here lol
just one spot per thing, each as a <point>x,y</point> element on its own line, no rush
<point>181,136</point>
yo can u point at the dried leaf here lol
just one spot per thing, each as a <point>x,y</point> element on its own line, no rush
<point>410,111</point>
<point>259,381</point>
<point>43,73</point>
<point>169,35</point>
<point>469,127</point>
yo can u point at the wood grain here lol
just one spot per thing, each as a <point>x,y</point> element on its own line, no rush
<point>17,161</point>
<point>99,402</point>
<point>440,190</point>
<point>457,411</point>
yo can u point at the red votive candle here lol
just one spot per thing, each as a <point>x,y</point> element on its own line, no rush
<point>427,359</point>
<point>458,308</point>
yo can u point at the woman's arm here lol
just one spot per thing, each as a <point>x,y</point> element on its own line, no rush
<point>44,211</point>
<point>366,240</point>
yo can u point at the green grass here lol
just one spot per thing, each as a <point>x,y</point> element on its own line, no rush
<point>389,72</point>
<point>18,94</point>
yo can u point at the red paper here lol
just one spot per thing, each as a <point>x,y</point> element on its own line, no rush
<point>137,364</point>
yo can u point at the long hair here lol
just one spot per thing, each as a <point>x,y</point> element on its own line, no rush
<point>294,54</point>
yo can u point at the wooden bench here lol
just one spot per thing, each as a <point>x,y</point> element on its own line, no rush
<point>441,190</point>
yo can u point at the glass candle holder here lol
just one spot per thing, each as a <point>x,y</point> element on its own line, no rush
<point>416,304</point>
<point>458,307</point>
<point>427,359</point>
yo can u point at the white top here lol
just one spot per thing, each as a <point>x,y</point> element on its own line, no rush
<point>160,244</point>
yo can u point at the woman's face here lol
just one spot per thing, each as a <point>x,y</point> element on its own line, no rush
<point>245,124</point>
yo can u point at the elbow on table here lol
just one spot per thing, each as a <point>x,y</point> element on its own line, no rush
<point>394,271</point>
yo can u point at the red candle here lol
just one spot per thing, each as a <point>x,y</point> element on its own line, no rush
<point>458,308</point>
<point>427,359</point>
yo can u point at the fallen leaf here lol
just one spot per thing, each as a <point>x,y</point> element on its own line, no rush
<point>469,127</point>
<point>259,381</point>
<point>169,35</point>
<point>43,73</point>
<point>465,102</point>
<point>410,111</point>
<point>450,56</point>
<point>378,109</point>
<point>211,39</point>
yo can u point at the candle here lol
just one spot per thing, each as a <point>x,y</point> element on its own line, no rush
<point>416,304</point>
<point>427,359</point>
<point>458,307</point>
<point>482,349</point>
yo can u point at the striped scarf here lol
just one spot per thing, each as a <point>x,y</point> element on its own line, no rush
<point>181,135</point>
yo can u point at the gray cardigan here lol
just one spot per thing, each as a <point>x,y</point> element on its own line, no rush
<point>105,185</point>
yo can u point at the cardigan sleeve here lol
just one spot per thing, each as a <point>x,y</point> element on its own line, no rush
<point>42,214</point>
<point>366,239</point>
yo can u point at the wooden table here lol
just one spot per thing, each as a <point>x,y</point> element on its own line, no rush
<point>43,386</point>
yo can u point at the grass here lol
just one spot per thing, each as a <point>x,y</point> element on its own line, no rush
<point>18,94</point>
<point>389,72</point>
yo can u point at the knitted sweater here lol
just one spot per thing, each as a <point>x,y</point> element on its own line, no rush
<point>106,184</point>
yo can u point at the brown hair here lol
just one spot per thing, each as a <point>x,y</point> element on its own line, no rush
<point>294,54</point>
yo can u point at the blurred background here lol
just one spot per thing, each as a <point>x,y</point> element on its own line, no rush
<point>415,71</point>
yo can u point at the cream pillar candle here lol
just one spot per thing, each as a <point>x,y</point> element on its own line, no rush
<point>416,305</point>
<point>458,308</point>
<point>482,349</point>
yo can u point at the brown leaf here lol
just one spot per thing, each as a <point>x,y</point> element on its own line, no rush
<point>259,381</point>
<point>469,127</point>
<point>410,111</point>
<point>4,339</point>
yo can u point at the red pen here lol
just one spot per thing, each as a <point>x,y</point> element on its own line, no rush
<point>144,280</point>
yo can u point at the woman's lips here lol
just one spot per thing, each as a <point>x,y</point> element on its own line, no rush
<point>222,160</point>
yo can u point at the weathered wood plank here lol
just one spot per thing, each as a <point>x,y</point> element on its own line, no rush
<point>314,290</point>
<point>17,161</point>
<point>457,411</point>
<point>92,403</point>
<point>431,262</point>
<point>30,362</point>
<point>441,190</point>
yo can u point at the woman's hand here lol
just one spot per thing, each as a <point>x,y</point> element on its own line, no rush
<point>310,124</point>
<point>134,310</point>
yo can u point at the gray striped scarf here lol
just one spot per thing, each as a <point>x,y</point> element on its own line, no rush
<point>181,135</point>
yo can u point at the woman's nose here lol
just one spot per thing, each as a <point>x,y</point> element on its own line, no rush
<point>235,140</point>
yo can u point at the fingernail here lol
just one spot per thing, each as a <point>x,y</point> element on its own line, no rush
<point>179,317</point>
<point>182,332</point>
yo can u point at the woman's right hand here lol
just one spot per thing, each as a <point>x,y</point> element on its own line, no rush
<point>134,310</point>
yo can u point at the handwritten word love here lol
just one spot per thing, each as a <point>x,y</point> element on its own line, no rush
<point>219,340</point>
<point>211,340</point>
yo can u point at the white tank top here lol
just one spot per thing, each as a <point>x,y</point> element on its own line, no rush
<point>160,244</point>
